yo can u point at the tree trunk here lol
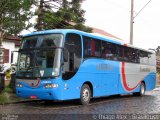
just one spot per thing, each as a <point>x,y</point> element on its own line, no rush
<point>40,24</point>
<point>1,37</point>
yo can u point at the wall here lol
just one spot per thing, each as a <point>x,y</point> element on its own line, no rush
<point>11,46</point>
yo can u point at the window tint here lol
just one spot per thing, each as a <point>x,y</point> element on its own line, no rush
<point>50,40</point>
<point>131,55</point>
<point>144,57</point>
<point>101,49</point>
<point>72,55</point>
<point>92,47</point>
<point>119,52</point>
<point>111,51</point>
<point>73,46</point>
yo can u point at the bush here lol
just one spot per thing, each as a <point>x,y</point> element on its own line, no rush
<point>8,89</point>
<point>4,98</point>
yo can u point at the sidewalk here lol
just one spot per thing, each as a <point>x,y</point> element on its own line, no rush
<point>158,83</point>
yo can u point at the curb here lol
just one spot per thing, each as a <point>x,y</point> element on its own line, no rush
<point>157,89</point>
<point>17,102</point>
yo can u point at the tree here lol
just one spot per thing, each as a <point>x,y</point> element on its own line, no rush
<point>13,16</point>
<point>158,51</point>
<point>158,58</point>
<point>61,14</point>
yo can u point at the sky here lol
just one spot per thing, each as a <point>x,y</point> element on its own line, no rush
<point>113,16</point>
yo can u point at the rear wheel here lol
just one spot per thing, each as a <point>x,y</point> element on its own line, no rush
<point>85,95</point>
<point>142,90</point>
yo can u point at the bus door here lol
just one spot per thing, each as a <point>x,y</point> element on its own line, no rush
<point>72,59</point>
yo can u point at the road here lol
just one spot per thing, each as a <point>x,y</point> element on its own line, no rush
<point>125,104</point>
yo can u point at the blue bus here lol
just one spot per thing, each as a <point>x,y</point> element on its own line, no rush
<point>64,64</point>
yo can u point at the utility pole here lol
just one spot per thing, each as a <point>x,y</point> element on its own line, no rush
<point>131,22</point>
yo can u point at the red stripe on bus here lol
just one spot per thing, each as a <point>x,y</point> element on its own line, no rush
<point>124,79</point>
<point>37,83</point>
<point>125,45</point>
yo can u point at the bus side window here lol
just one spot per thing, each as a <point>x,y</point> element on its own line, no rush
<point>111,51</point>
<point>71,55</point>
<point>144,57</point>
<point>92,47</point>
<point>119,52</point>
<point>131,55</point>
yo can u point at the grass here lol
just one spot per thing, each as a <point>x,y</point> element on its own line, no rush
<point>7,96</point>
<point>8,90</point>
<point>4,98</point>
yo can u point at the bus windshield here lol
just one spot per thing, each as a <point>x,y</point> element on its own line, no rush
<point>39,56</point>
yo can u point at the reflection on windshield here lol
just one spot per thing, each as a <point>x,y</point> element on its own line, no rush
<point>40,56</point>
<point>37,63</point>
<point>51,40</point>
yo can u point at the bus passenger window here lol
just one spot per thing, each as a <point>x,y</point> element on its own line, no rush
<point>107,54</point>
<point>109,51</point>
<point>119,53</point>
<point>131,55</point>
<point>92,47</point>
<point>144,57</point>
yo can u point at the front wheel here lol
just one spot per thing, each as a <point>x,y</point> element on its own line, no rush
<point>142,90</point>
<point>85,95</point>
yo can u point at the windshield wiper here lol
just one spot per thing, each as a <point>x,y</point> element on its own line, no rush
<point>27,71</point>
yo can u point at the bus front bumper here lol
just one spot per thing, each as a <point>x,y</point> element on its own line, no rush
<point>43,94</point>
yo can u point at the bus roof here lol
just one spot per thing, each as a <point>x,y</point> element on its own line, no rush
<point>65,31</point>
<point>93,35</point>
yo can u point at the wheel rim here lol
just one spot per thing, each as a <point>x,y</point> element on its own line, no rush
<point>142,89</point>
<point>86,94</point>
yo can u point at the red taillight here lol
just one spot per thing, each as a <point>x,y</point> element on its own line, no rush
<point>33,97</point>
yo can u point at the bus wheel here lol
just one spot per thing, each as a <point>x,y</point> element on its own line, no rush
<point>142,90</point>
<point>85,95</point>
<point>48,101</point>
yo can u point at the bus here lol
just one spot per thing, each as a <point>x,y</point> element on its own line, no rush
<point>65,64</point>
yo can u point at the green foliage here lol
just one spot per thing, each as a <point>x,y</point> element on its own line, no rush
<point>158,59</point>
<point>8,89</point>
<point>14,14</point>
<point>67,15</point>
<point>7,97</point>
<point>4,98</point>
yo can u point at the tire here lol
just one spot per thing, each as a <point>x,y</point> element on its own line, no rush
<point>85,94</point>
<point>142,90</point>
<point>48,101</point>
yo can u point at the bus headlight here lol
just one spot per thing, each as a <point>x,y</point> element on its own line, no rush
<point>19,85</point>
<point>49,85</point>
